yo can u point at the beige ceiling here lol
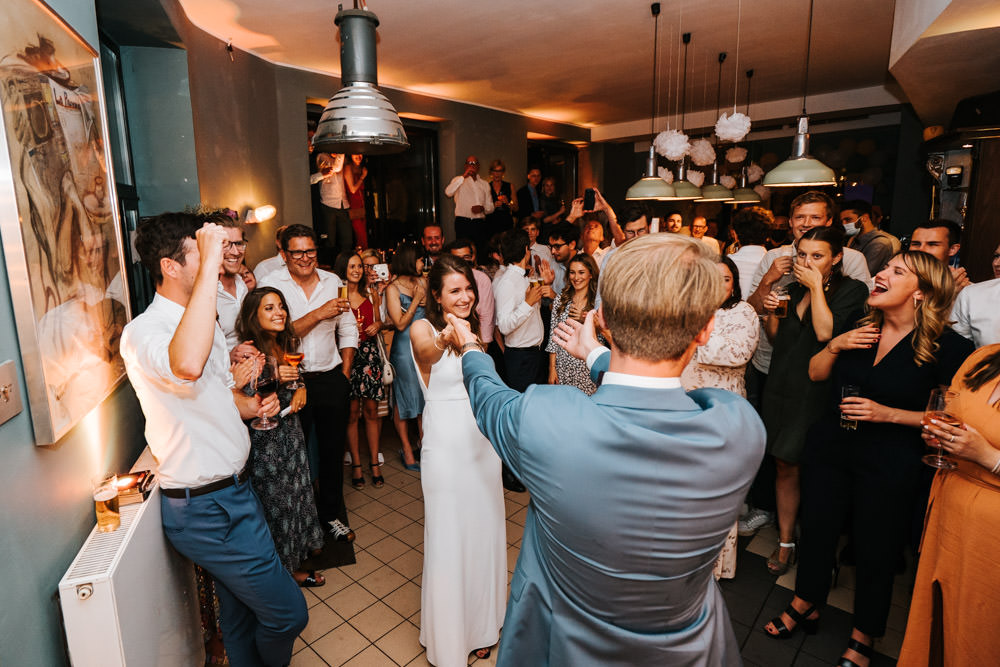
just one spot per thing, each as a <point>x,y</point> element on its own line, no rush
<point>579,61</point>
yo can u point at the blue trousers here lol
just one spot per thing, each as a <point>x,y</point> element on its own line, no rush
<point>262,610</point>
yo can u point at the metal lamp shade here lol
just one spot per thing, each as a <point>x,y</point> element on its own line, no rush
<point>713,191</point>
<point>359,119</point>
<point>801,169</point>
<point>745,195</point>
<point>650,186</point>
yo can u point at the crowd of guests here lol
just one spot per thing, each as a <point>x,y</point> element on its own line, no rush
<point>833,334</point>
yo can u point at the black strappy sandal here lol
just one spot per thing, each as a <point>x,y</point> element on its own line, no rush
<point>859,648</point>
<point>378,481</point>
<point>357,482</point>
<point>807,625</point>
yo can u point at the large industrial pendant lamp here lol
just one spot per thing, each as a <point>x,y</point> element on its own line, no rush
<point>801,169</point>
<point>651,186</point>
<point>714,191</point>
<point>359,119</point>
<point>683,188</point>
<point>744,194</point>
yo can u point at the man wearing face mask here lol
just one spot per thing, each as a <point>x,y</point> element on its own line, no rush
<point>877,246</point>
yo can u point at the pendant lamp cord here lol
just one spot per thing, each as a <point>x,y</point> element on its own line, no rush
<point>736,85</point>
<point>655,9</point>
<point>805,74</point>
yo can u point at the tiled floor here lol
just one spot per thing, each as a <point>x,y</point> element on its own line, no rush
<point>368,613</point>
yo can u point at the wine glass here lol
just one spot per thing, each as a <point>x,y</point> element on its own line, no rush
<point>293,359</point>
<point>265,385</point>
<point>941,407</point>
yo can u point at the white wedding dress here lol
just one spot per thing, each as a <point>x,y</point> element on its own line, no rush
<point>464,585</point>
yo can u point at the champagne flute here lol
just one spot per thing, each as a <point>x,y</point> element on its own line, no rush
<point>941,407</point>
<point>265,385</point>
<point>293,359</point>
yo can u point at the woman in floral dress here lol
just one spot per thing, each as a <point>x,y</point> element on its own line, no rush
<point>721,363</point>
<point>574,302</point>
<point>279,468</point>
<point>366,373</point>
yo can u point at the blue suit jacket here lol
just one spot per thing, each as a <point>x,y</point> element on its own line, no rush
<point>633,492</point>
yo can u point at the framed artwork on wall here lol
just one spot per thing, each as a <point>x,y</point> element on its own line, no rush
<point>62,240</point>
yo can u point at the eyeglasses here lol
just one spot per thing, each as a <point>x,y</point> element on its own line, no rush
<point>632,233</point>
<point>557,246</point>
<point>234,245</point>
<point>472,163</point>
<point>299,254</point>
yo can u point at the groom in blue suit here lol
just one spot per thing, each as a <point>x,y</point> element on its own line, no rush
<point>633,489</point>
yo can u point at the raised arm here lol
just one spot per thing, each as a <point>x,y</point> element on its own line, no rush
<point>192,341</point>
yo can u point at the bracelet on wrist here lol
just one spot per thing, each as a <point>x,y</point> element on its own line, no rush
<point>996,467</point>
<point>437,337</point>
<point>472,345</point>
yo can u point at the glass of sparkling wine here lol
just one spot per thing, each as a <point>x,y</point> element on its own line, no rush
<point>942,407</point>
<point>293,359</point>
<point>265,385</point>
<point>105,489</point>
<point>845,421</point>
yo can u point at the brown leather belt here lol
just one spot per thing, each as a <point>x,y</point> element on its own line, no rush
<point>217,485</point>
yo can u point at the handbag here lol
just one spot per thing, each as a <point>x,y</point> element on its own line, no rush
<point>388,372</point>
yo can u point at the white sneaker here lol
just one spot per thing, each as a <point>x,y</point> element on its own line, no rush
<point>753,521</point>
<point>340,532</point>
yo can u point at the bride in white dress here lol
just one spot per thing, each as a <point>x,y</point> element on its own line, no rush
<point>463,591</point>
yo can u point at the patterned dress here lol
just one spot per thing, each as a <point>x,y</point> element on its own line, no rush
<point>280,476</point>
<point>569,369</point>
<point>366,372</point>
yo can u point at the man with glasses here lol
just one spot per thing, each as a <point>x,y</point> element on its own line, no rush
<point>329,335</point>
<point>562,244</point>
<point>472,202</point>
<point>231,289</point>
<point>636,225</point>
<point>699,228</point>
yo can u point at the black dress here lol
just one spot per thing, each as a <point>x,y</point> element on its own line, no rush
<point>792,402</point>
<point>280,476</point>
<point>502,218</point>
<point>871,474</point>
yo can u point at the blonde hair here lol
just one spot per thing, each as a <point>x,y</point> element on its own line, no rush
<point>930,314</point>
<point>659,291</point>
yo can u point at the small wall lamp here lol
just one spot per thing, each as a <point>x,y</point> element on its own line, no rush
<point>260,214</point>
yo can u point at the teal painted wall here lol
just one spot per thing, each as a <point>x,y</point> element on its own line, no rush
<point>45,491</point>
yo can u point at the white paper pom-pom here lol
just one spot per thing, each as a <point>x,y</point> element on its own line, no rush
<point>732,128</point>
<point>765,193</point>
<point>754,172</point>
<point>702,152</point>
<point>696,178</point>
<point>736,154</point>
<point>727,182</point>
<point>671,144</point>
<point>665,174</point>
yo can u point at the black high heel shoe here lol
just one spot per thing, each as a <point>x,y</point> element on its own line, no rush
<point>807,625</point>
<point>378,481</point>
<point>357,482</point>
<point>859,648</point>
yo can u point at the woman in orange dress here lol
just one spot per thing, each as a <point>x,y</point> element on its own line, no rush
<point>957,593</point>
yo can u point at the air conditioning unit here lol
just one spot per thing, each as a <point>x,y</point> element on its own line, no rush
<point>129,599</point>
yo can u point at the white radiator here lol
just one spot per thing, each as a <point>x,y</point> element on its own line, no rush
<point>128,599</point>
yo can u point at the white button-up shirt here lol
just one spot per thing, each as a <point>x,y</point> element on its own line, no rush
<point>193,427</point>
<point>747,259</point>
<point>977,313</point>
<point>331,186</point>
<point>469,192</point>
<point>520,323</point>
<point>228,308</point>
<point>266,266</point>
<point>487,306</point>
<point>320,345</point>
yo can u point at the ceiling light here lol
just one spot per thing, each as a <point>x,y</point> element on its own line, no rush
<point>801,169</point>
<point>713,191</point>
<point>260,214</point>
<point>744,194</point>
<point>683,188</point>
<point>359,119</point>
<point>651,186</point>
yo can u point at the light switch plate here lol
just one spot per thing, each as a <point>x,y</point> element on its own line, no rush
<point>10,391</point>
